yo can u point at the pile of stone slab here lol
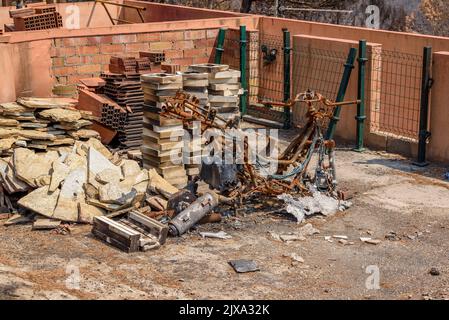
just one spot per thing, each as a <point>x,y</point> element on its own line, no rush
<point>162,137</point>
<point>224,89</point>
<point>42,124</point>
<point>75,184</point>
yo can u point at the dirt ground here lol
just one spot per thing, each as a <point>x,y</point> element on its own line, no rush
<point>391,195</point>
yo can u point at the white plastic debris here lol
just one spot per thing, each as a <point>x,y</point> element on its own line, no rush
<point>318,203</point>
<point>216,235</point>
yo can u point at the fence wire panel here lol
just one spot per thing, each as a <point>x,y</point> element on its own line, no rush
<point>394,93</point>
<point>318,70</point>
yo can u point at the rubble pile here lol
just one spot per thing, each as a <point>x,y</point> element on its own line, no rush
<point>162,137</point>
<point>42,124</point>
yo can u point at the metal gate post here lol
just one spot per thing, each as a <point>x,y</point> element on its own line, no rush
<point>219,49</point>
<point>426,85</point>
<point>361,96</point>
<point>349,65</point>
<point>287,93</point>
<point>243,43</point>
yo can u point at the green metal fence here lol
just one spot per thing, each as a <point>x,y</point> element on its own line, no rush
<point>393,93</point>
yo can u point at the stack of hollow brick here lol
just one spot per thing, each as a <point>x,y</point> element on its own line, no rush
<point>156,59</point>
<point>36,18</point>
<point>126,91</point>
<point>162,137</point>
<point>223,88</point>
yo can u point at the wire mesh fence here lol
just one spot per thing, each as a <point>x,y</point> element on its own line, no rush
<point>393,93</point>
<point>393,81</point>
<point>317,70</point>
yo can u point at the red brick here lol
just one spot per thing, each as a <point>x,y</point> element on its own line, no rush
<point>212,33</point>
<point>73,42</point>
<point>212,42</point>
<point>135,47</point>
<point>63,52</point>
<point>173,54</point>
<point>192,53</point>
<point>198,60</point>
<point>99,59</point>
<point>194,34</point>
<point>183,62</point>
<point>162,46</point>
<point>58,62</point>
<point>86,50</point>
<point>172,36</point>
<point>64,71</point>
<point>75,78</point>
<point>61,80</point>
<point>99,40</point>
<point>112,48</point>
<point>186,44</point>
<point>201,43</point>
<point>124,38</point>
<point>89,68</point>
<point>73,60</point>
<point>141,37</point>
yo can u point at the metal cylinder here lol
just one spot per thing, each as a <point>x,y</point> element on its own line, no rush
<point>193,214</point>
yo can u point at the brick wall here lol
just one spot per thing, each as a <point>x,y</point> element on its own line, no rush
<point>83,57</point>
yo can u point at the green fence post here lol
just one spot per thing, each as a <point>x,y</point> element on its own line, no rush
<point>360,117</point>
<point>243,44</point>
<point>349,65</point>
<point>426,85</point>
<point>219,49</point>
<point>287,93</point>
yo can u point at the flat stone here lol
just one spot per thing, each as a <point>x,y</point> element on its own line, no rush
<point>130,168</point>
<point>46,224</point>
<point>97,145</point>
<point>71,194</point>
<point>97,163</point>
<point>17,219</point>
<point>45,103</point>
<point>7,143</point>
<point>8,133</point>
<point>12,107</point>
<point>84,134</point>
<point>8,122</point>
<point>30,167</point>
<point>37,135</point>
<point>41,201</point>
<point>112,193</point>
<point>108,176</point>
<point>60,172</point>
<point>159,185</point>
<point>9,180</point>
<point>58,115</point>
<point>87,212</point>
<point>76,125</point>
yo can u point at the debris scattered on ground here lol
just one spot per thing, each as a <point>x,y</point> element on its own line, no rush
<point>295,258</point>
<point>217,235</point>
<point>244,266</point>
<point>434,271</point>
<point>370,240</point>
<point>392,236</point>
<point>318,203</point>
<point>300,235</point>
<point>340,237</point>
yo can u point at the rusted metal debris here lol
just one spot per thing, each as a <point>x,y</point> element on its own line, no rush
<point>240,182</point>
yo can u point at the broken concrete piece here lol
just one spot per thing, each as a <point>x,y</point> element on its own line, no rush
<point>308,230</point>
<point>159,185</point>
<point>58,115</point>
<point>217,235</point>
<point>71,194</point>
<point>40,201</point>
<point>45,224</point>
<point>108,176</point>
<point>130,168</point>
<point>87,212</point>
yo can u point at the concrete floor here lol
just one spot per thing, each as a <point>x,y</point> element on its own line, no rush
<point>391,195</point>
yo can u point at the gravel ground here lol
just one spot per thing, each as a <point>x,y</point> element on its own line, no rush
<point>390,195</point>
